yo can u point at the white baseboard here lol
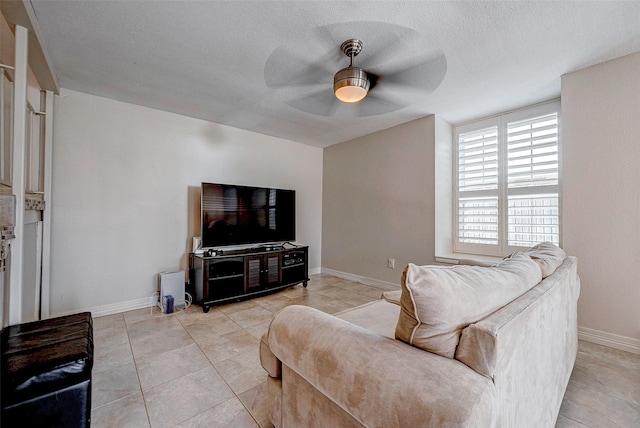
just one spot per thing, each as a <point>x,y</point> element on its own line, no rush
<point>315,271</point>
<point>611,340</point>
<point>131,305</point>
<point>362,279</point>
<point>115,308</point>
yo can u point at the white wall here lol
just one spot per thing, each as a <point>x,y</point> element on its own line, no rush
<point>125,197</point>
<point>379,202</point>
<point>601,196</point>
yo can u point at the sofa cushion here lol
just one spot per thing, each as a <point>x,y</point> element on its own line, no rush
<point>473,262</point>
<point>392,296</point>
<point>548,256</point>
<point>438,302</point>
<point>378,317</point>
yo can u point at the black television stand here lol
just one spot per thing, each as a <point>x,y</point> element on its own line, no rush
<point>234,275</point>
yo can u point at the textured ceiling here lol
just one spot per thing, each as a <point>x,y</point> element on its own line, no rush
<point>268,66</point>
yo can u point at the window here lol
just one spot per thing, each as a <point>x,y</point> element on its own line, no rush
<point>506,181</point>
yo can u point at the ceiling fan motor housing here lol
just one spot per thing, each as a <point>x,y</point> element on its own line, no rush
<point>351,84</point>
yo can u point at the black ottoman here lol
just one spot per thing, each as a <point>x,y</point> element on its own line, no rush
<point>46,372</point>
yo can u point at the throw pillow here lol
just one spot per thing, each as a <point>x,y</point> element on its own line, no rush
<point>437,303</point>
<point>548,256</point>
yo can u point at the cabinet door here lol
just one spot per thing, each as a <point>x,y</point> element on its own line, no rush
<point>262,271</point>
<point>253,272</point>
<point>272,272</point>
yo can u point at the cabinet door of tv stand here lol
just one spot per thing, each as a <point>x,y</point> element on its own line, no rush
<point>262,272</point>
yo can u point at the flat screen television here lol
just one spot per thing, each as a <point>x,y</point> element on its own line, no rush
<point>243,215</point>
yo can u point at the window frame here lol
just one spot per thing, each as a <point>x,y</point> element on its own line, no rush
<point>6,128</point>
<point>502,121</point>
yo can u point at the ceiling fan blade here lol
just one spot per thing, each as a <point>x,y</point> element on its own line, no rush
<point>288,67</point>
<point>321,103</point>
<point>383,42</point>
<point>426,75</point>
<point>375,104</point>
<point>382,51</point>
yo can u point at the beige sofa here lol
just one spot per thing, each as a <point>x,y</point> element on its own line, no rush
<point>509,368</point>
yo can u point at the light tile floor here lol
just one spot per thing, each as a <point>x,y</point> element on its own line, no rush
<point>193,369</point>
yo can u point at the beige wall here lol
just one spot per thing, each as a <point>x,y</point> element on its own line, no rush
<point>378,202</point>
<point>601,193</point>
<point>125,203</point>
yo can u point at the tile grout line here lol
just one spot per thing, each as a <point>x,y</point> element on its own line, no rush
<point>135,364</point>
<point>218,372</point>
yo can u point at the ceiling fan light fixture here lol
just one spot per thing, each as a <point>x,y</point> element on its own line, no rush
<point>351,84</point>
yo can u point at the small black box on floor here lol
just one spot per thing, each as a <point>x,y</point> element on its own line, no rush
<point>46,372</point>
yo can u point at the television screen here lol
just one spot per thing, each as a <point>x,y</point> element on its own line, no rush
<point>240,215</point>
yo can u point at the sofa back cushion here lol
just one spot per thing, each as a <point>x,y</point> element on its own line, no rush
<point>437,302</point>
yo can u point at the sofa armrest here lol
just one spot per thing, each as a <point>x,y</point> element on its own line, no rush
<point>269,362</point>
<point>497,337</point>
<point>377,380</point>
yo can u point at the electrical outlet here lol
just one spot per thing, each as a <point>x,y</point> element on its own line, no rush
<point>392,263</point>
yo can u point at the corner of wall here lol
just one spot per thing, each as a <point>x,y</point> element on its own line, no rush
<point>443,185</point>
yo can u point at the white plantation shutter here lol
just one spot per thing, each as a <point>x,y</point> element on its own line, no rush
<point>507,185</point>
<point>532,176</point>
<point>478,186</point>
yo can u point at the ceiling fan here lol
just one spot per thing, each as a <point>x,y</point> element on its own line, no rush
<point>398,66</point>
